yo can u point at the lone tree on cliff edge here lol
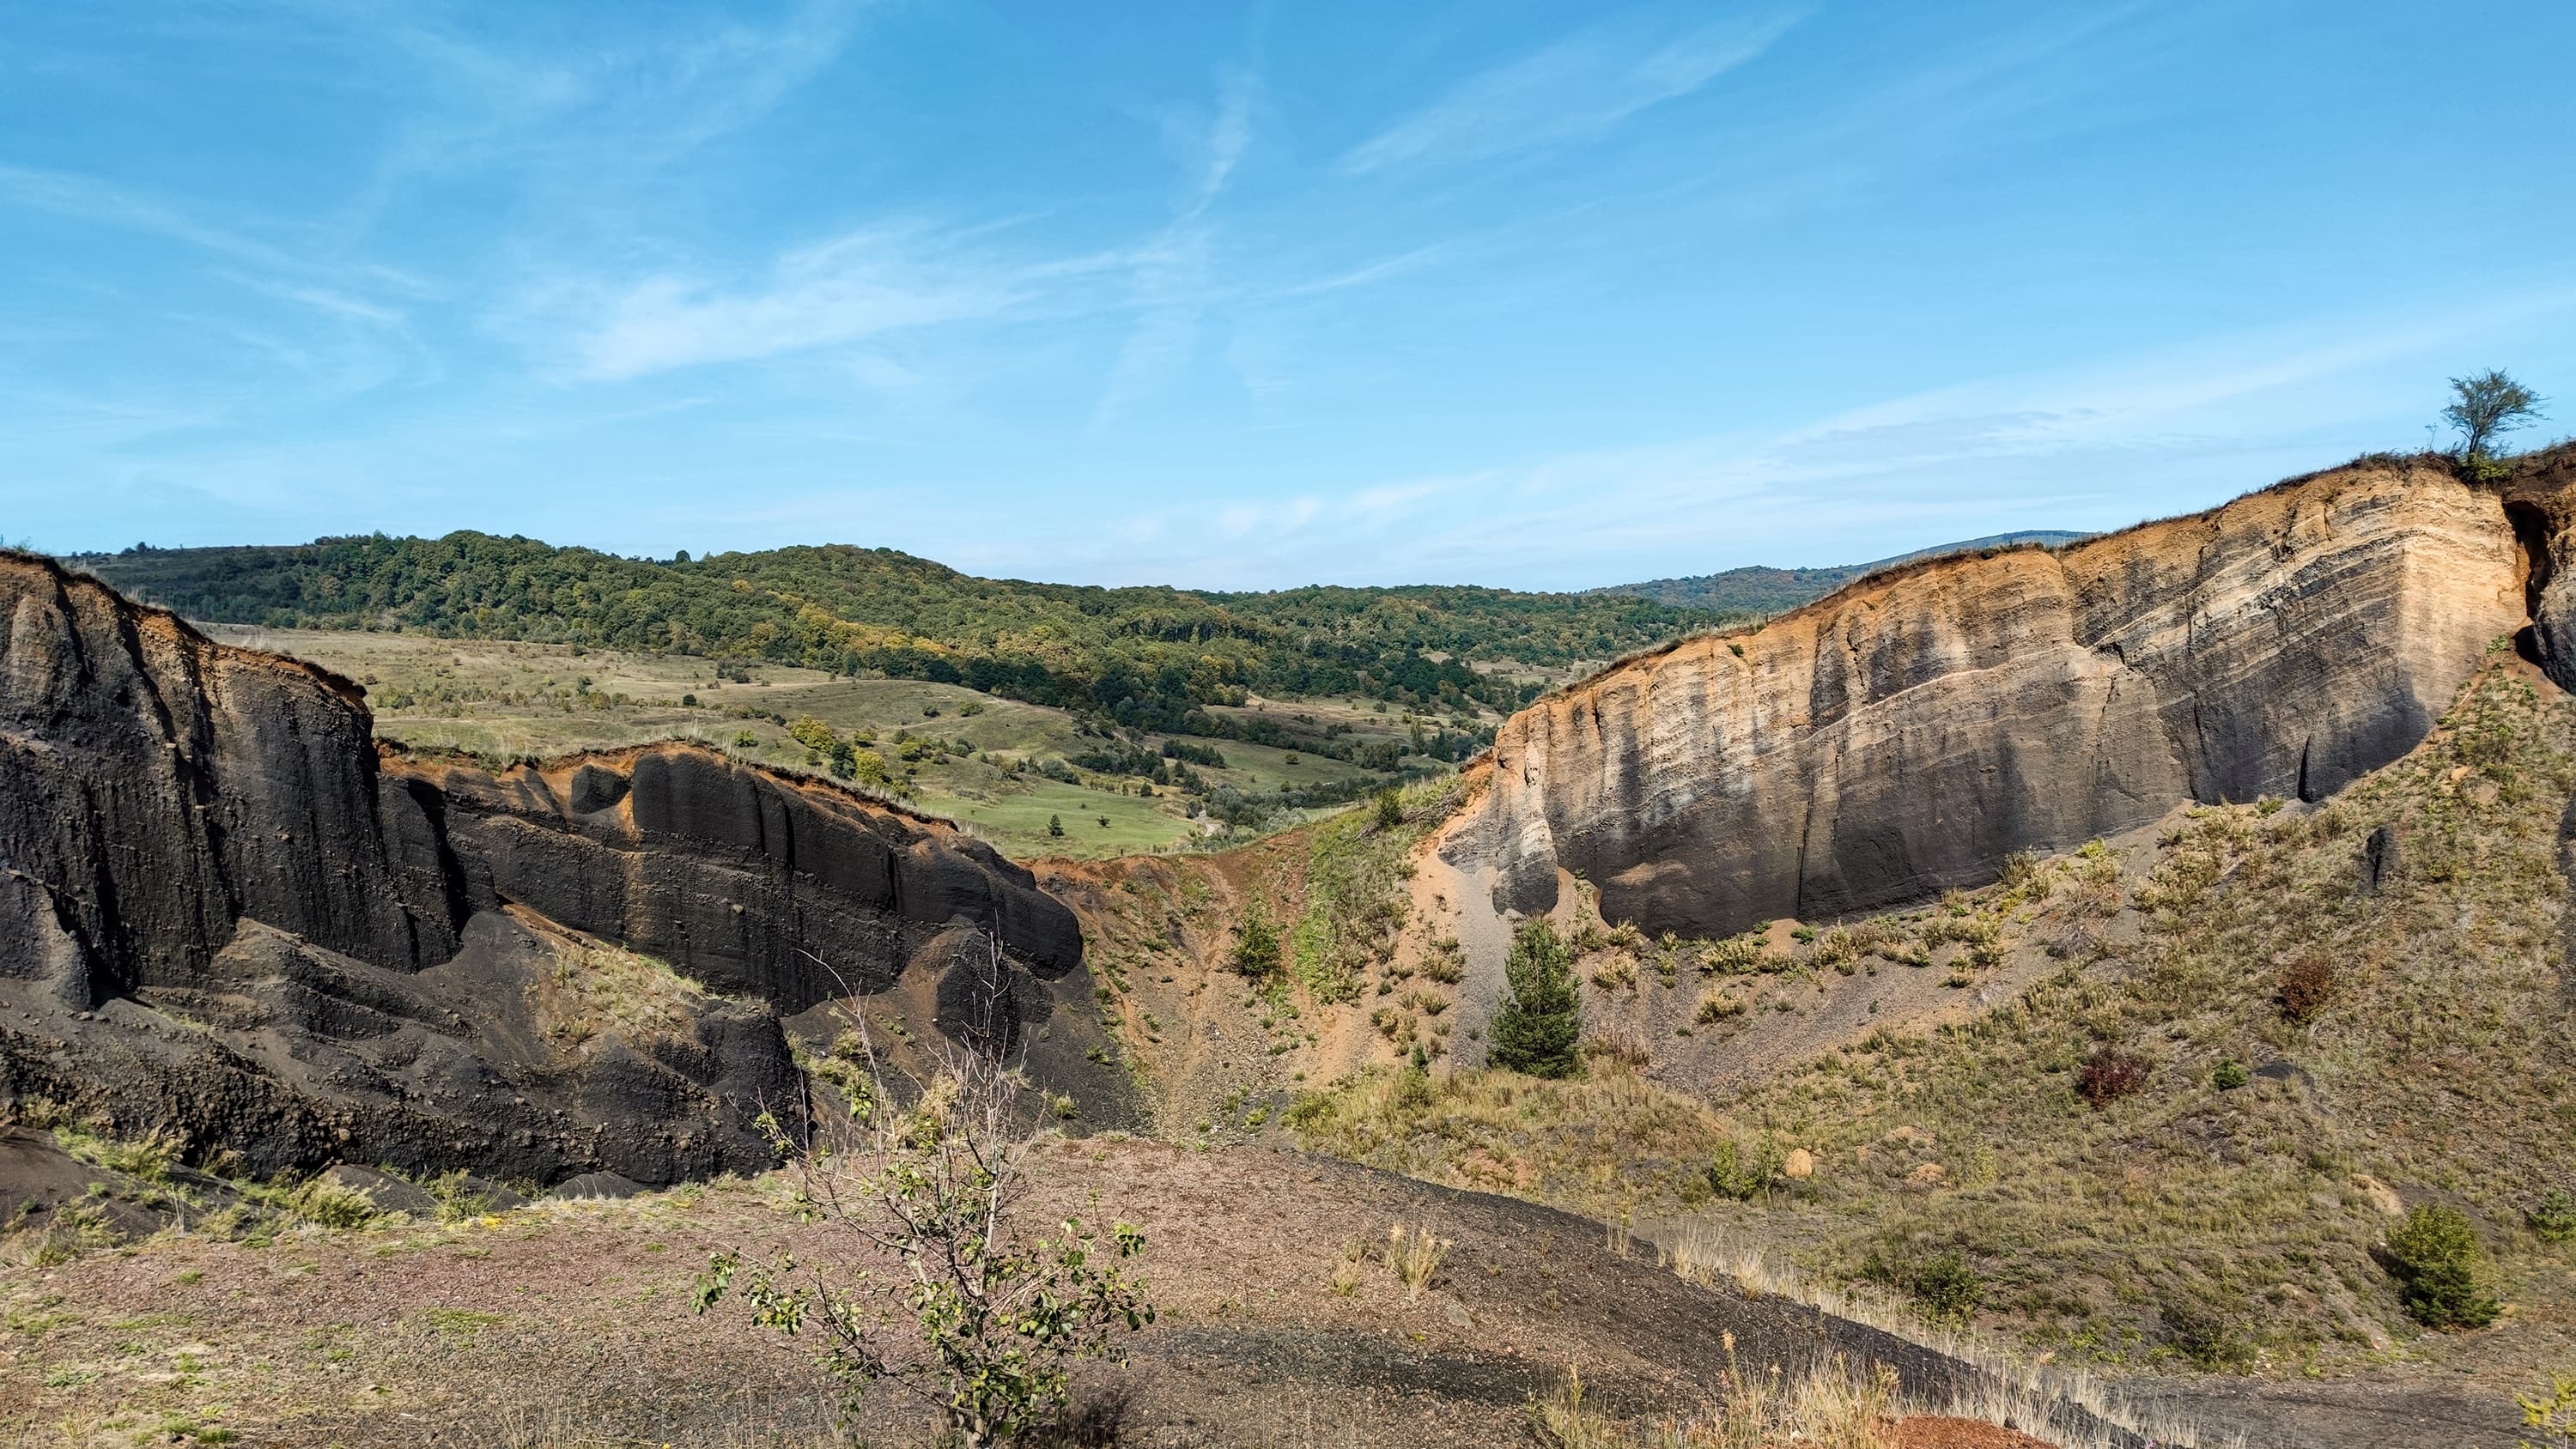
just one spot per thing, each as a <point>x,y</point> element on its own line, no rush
<point>1539,1022</point>
<point>2488,403</point>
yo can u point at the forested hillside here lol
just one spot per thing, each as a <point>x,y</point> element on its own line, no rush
<point>1148,656</point>
<point>1758,589</point>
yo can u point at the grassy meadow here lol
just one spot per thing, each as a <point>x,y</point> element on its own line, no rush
<point>952,750</point>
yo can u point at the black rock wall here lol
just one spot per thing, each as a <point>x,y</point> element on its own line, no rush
<point>751,884</point>
<point>226,914</point>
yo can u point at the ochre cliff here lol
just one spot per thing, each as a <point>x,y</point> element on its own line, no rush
<point>224,914</point>
<point>1911,731</point>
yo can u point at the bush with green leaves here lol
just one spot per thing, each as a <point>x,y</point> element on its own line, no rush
<point>2553,1218</point>
<point>1947,1287</point>
<point>2208,1333</point>
<point>2441,1269</point>
<point>967,1312</point>
<point>1541,1019</point>
<point>1734,1173</point>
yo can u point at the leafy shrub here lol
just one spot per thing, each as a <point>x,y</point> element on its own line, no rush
<point>989,1320</point>
<point>2441,1269</point>
<point>2307,984</point>
<point>2110,1075</point>
<point>2554,1216</point>
<point>812,733</point>
<point>2229,1076</point>
<point>1947,1287</point>
<point>1732,1173</point>
<point>1536,1029</point>
<point>2209,1335</point>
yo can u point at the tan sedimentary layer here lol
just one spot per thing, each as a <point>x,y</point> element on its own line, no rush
<point>1911,731</point>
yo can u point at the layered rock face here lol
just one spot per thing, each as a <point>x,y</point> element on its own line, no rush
<point>1910,732</point>
<point>751,884</point>
<point>224,914</point>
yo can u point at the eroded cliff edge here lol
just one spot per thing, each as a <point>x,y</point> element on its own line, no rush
<point>1910,732</point>
<point>225,915</point>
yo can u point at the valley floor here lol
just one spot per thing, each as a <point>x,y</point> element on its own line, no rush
<point>571,1323</point>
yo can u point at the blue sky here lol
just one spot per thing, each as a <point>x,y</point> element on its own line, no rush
<point>1547,296</point>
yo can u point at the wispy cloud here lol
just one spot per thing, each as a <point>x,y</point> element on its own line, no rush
<point>592,113</point>
<point>2075,446</point>
<point>1175,273</point>
<point>868,283</point>
<point>83,198</point>
<point>1575,90</point>
<point>356,333</point>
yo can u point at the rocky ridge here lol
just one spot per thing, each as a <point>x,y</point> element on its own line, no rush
<point>227,917</point>
<point>1910,732</point>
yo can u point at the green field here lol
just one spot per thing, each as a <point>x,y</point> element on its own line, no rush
<point>501,699</point>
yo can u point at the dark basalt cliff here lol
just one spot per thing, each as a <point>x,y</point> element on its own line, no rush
<point>225,915</point>
<point>1910,732</point>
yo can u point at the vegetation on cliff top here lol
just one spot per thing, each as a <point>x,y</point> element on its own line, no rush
<point>1145,656</point>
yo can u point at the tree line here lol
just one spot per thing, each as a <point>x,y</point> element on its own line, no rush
<point>1143,657</point>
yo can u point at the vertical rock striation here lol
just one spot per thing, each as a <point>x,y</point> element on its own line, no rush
<point>1911,731</point>
<point>225,914</point>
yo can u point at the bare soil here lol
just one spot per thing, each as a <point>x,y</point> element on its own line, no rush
<point>572,1323</point>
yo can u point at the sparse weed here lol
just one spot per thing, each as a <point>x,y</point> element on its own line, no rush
<point>1346,1269</point>
<point>1414,1256</point>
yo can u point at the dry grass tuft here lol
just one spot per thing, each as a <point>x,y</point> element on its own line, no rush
<point>1414,1256</point>
<point>1829,1407</point>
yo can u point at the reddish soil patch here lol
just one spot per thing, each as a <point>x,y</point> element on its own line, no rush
<point>1937,1433</point>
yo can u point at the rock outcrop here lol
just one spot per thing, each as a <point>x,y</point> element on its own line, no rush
<point>225,914</point>
<point>1910,732</point>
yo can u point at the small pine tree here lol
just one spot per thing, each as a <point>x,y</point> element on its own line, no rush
<point>1256,947</point>
<point>2441,1269</point>
<point>1055,825</point>
<point>1539,1022</point>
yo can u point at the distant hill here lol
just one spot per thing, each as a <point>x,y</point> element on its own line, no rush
<point>1148,657</point>
<point>1757,589</point>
